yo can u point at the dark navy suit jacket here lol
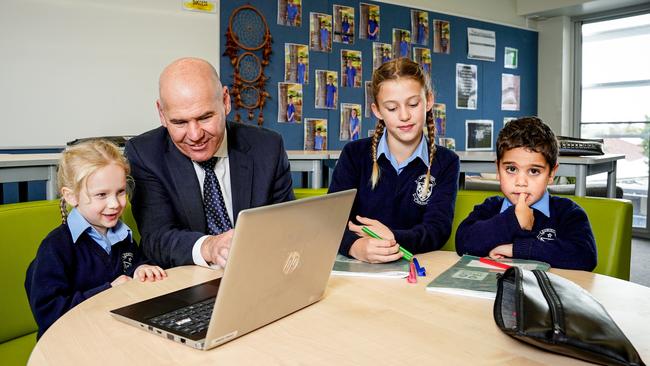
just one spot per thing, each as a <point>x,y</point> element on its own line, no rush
<point>167,202</point>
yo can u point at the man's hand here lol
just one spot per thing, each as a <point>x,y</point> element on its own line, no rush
<point>215,248</point>
<point>524,213</point>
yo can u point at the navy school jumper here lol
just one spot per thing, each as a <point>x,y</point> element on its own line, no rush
<point>418,225</point>
<point>64,273</point>
<point>563,240</point>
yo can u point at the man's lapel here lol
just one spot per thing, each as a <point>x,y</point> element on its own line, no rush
<point>187,186</point>
<point>241,171</point>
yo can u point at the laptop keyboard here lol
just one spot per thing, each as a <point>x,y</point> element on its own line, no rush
<point>190,319</point>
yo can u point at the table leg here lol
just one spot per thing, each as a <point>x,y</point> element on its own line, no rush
<point>317,174</point>
<point>50,184</point>
<point>611,181</point>
<point>581,180</point>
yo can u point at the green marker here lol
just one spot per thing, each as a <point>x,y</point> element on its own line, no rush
<point>405,253</point>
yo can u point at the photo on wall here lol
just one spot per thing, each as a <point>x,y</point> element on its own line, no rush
<point>289,102</point>
<point>350,126</point>
<point>315,134</point>
<point>371,132</point>
<point>510,92</point>
<point>420,27</point>
<point>441,36</point>
<point>290,12</point>
<point>448,142</point>
<point>369,99</point>
<point>478,135</point>
<point>466,86</point>
<point>401,43</point>
<point>351,68</point>
<point>326,93</point>
<point>381,53</point>
<point>422,56</point>
<point>296,63</point>
<point>440,118</point>
<point>369,21</point>
<point>320,32</point>
<point>344,24</point>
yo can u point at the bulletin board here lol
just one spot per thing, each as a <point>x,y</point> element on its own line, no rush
<point>443,68</point>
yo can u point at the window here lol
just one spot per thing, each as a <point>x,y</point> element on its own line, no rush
<point>615,99</point>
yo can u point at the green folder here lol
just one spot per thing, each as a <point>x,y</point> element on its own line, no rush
<point>471,277</point>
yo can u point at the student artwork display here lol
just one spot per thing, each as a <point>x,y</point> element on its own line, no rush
<point>368,98</point>
<point>510,92</point>
<point>481,44</point>
<point>441,36</point>
<point>510,58</point>
<point>320,32</point>
<point>344,24</point>
<point>381,53</point>
<point>351,68</point>
<point>478,135</point>
<point>247,36</point>
<point>440,117</point>
<point>350,128</point>
<point>326,93</point>
<point>315,134</point>
<point>420,27</point>
<point>290,12</point>
<point>296,63</point>
<point>448,142</point>
<point>466,86</point>
<point>325,49</point>
<point>369,21</point>
<point>423,57</point>
<point>290,102</point>
<point>401,43</point>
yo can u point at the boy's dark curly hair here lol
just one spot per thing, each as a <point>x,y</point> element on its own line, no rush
<point>531,134</point>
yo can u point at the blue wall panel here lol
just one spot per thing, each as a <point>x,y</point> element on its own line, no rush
<point>443,68</point>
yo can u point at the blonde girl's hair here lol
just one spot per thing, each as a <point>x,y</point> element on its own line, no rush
<point>394,70</point>
<point>79,161</point>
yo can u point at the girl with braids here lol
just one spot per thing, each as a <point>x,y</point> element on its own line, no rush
<point>92,249</point>
<point>406,185</point>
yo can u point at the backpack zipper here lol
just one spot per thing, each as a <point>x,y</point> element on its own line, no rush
<point>554,304</point>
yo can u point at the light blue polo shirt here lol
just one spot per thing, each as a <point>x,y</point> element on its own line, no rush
<point>421,152</point>
<point>78,225</point>
<point>541,205</point>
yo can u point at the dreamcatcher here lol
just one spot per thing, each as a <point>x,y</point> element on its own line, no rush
<point>248,31</point>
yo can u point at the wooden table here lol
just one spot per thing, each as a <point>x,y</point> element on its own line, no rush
<point>570,166</point>
<point>360,321</point>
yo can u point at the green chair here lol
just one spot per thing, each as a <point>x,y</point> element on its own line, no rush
<point>611,223</point>
<point>308,192</point>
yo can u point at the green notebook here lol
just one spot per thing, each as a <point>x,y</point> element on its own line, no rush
<point>344,266</point>
<point>471,277</point>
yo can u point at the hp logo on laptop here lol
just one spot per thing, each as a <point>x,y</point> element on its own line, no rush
<point>292,262</point>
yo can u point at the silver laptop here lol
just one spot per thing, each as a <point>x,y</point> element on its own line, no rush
<point>279,262</point>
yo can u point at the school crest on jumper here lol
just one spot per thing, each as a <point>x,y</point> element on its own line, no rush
<point>420,196</point>
<point>547,235</point>
<point>127,261</point>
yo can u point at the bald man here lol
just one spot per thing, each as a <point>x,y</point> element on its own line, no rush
<point>252,168</point>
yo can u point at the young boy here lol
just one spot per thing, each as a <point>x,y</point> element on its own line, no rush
<point>528,223</point>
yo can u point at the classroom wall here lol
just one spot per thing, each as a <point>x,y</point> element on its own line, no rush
<point>79,68</point>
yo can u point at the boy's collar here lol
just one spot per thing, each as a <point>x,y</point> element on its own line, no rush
<point>542,205</point>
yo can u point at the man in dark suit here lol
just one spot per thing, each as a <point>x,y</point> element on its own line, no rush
<point>168,166</point>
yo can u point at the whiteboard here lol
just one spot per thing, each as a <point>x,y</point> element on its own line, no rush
<point>81,68</point>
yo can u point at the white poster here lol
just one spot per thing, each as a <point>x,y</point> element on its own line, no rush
<point>466,86</point>
<point>510,92</point>
<point>481,44</point>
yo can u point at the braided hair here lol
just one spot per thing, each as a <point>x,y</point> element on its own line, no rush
<point>394,70</point>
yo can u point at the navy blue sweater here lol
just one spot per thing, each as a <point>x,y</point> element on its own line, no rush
<point>418,225</point>
<point>563,240</point>
<point>64,273</point>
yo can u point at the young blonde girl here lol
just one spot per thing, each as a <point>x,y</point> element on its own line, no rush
<point>406,185</point>
<point>92,250</point>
